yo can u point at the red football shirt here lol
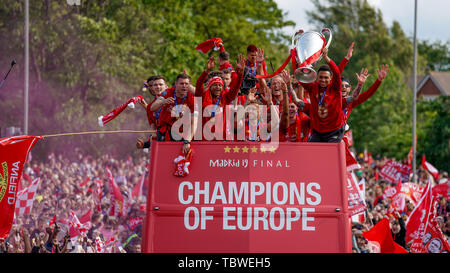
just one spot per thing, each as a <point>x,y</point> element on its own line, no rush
<point>328,116</point>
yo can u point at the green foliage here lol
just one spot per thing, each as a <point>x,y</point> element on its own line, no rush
<point>434,137</point>
<point>85,60</point>
<point>383,124</point>
<point>437,55</point>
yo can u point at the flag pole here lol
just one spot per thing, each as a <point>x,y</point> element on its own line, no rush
<point>414,118</point>
<point>98,132</point>
<point>26,66</point>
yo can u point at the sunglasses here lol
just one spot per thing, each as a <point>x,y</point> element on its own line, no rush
<point>346,85</point>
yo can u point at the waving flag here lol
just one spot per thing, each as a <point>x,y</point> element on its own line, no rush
<point>25,198</point>
<point>418,220</point>
<point>76,227</point>
<point>380,237</point>
<point>442,189</point>
<point>13,154</point>
<point>138,189</point>
<point>392,171</point>
<point>98,195</point>
<point>433,241</point>
<point>430,168</point>
<point>398,198</point>
<point>117,199</point>
<point>356,203</point>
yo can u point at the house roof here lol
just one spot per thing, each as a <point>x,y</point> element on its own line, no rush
<point>440,78</point>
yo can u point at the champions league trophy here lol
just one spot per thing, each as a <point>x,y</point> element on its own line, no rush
<point>308,48</point>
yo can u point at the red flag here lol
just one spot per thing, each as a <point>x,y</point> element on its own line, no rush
<point>76,227</point>
<point>392,171</point>
<point>356,202</point>
<point>432,241</point>
<point>102,120</point>
<point>86,217</point>
<point>430,168</point>
<point>117,200</point>
<point>134,222</point>
<point>137,190</point>
<point>52,221</point>
<point>13,154</point>
<point>442,189</point>
<point>98,195</point>
<point>410,156</point>
<point>214,43</point>
<point>350,161</point>
<point>418,220</point>
<point>413,192</point>
<point>85,181</point>
<point>380,235</point>
<point>398,198</point>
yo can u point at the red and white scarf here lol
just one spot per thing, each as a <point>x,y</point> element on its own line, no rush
<point>102,120</point>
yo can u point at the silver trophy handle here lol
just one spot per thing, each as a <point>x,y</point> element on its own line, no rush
<point>294,38</point>
<point>330,36</point>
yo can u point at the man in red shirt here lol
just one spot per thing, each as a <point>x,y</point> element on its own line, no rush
<point>294,125</point>
<point>172,109</point>
<point>224,61</point>
<point>325,109</point>
<point>215,93</point>
<point>156,86</point>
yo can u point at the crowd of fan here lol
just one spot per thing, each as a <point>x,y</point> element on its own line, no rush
<point>59,193</point>
<point>378,206</point>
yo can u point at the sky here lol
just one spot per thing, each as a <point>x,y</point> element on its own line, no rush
<point>433,17</point>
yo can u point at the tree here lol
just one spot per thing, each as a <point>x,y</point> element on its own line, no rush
<point>434,132</point>
<point>383,123</point>
<point>437,55</point>
<point>87,59</point>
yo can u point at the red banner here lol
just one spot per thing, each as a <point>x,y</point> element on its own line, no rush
<point>422,213</point>
<point>392,171</point>
<point>356,202</point>
<point>433,241</point>
<point>13,153</point>
<point>248,197</point>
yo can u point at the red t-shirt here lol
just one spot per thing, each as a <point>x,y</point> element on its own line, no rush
<point>225,98</point>
<point>165,118</point>
<point>328,116</point>
<point>226,65</point>
<point>153,117</point>
<point>297,131</point>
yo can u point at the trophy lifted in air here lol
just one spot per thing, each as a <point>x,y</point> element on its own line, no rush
<point>307,50</point>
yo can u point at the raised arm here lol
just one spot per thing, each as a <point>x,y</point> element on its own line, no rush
<point>346,59</point>
<point>336,77</point>
<point>284,123</point>
<point>160,102</point>
<point>236,84</point>
<point>382,73</point>
<point>259,60</point>
<point>362,77</point>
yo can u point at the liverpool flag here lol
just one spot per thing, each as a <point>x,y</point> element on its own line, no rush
<point>13,154</point>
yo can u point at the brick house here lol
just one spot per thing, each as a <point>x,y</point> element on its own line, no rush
<point>433,85</point>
